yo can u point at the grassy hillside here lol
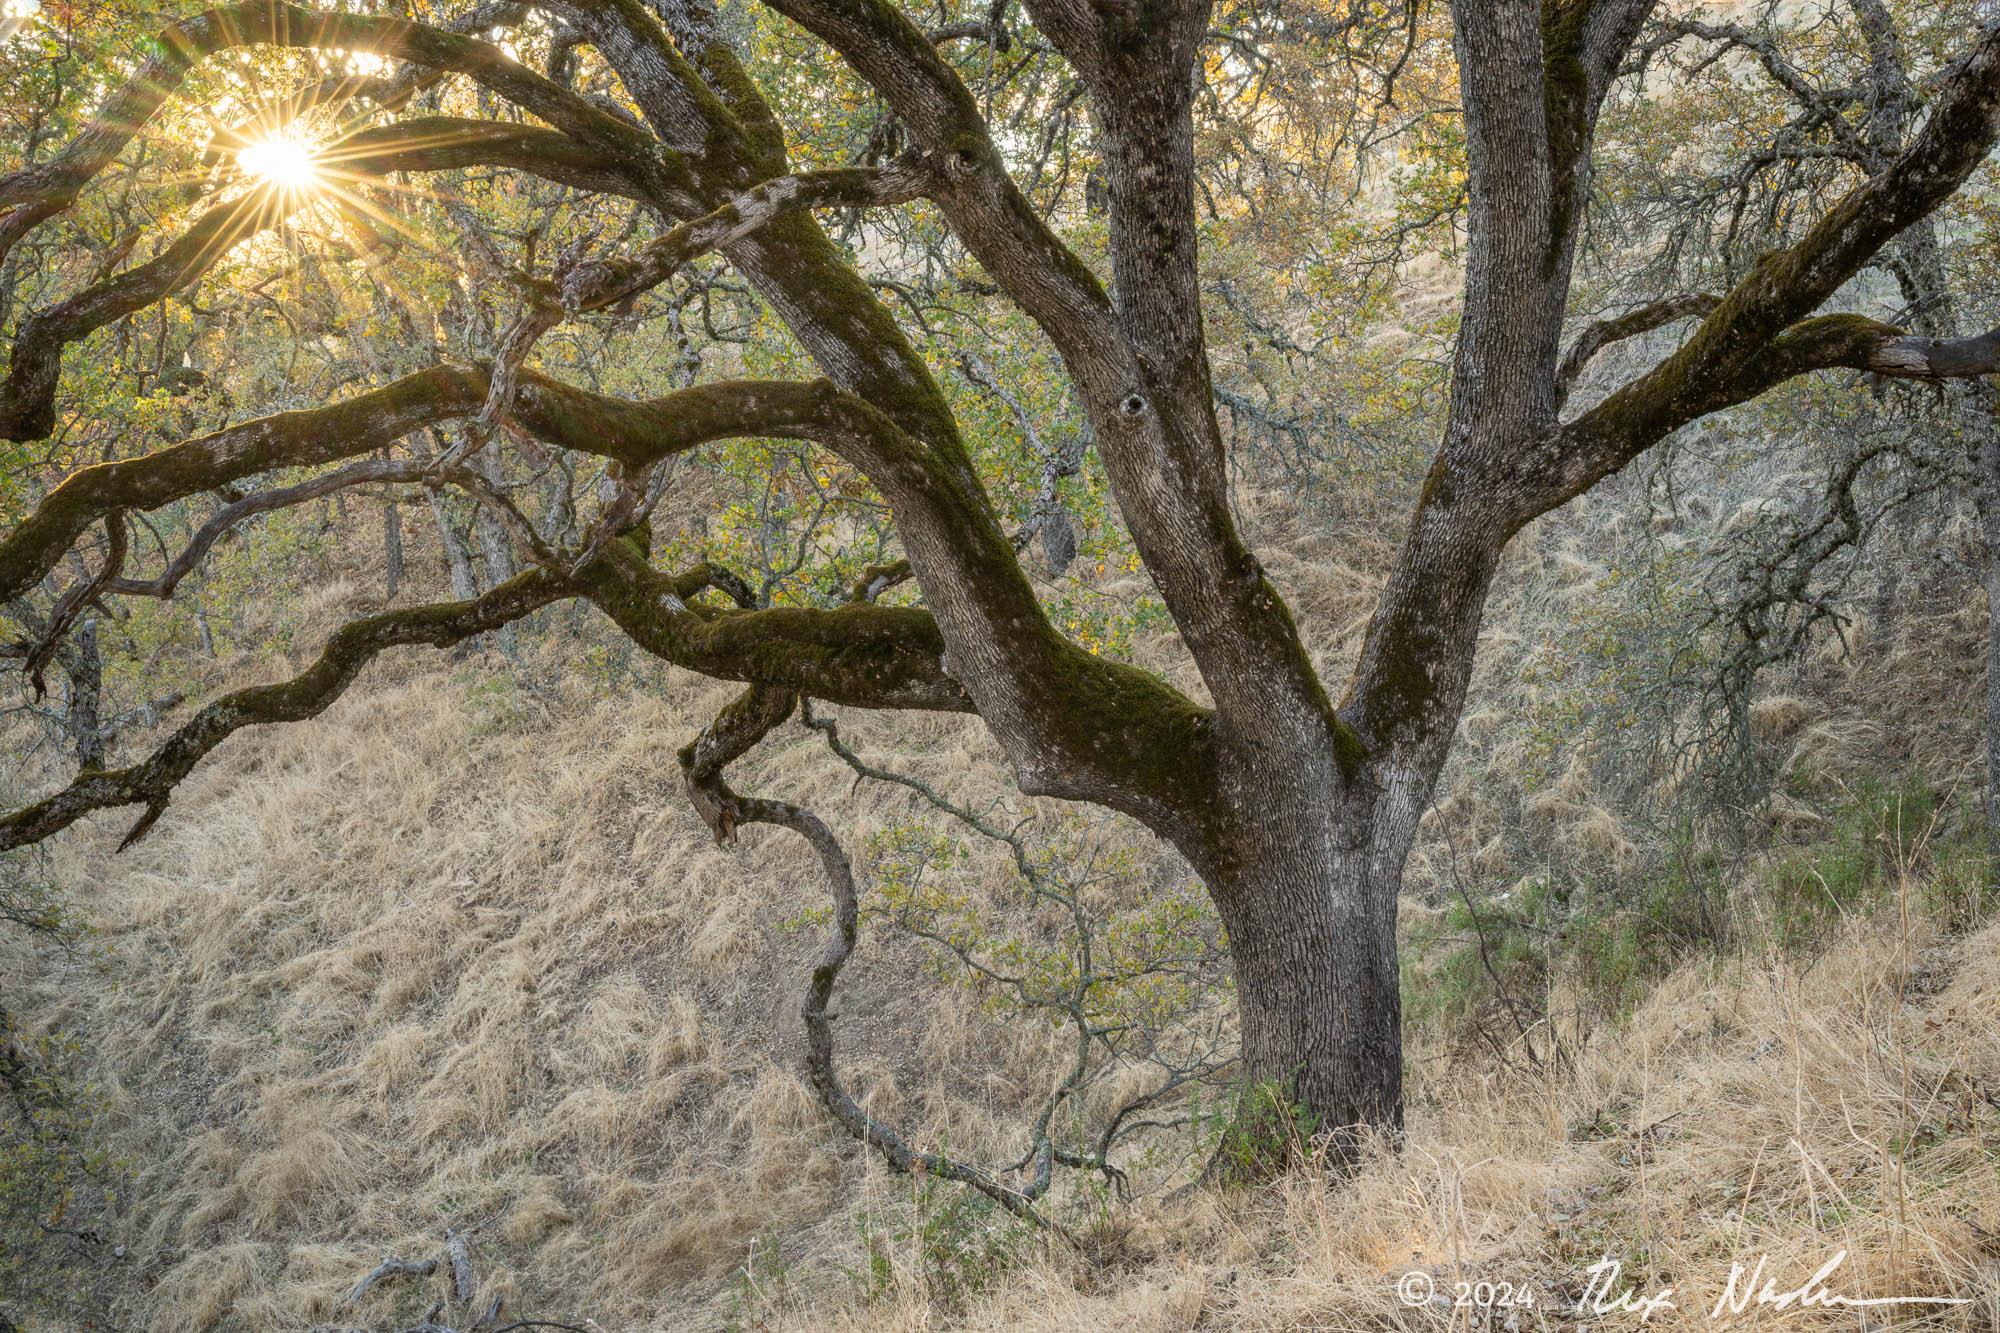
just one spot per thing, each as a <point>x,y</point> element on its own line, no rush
<point>459,955</point>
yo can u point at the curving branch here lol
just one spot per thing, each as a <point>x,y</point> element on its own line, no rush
<point>263,502</point>
<point>869,656</point>
<point>38,653</point>
<point>729,736</point>
<point>151,782</point>
<point>1597,336</point>
<point>1760,333</point>
<point>351,428</point>
<point>51,186</point>
<point>634,433</point>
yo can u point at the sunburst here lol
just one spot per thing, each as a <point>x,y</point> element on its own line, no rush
<point>16,16</point>
<point>284,161</point>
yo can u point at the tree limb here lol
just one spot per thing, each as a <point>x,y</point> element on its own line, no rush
<point>728,737</point>
<point>27,399</point>
<point>151,782</point>
<point>1596,337</point>
<point>1738,351</point>
<point>54,184</point>
<point>262,502</point>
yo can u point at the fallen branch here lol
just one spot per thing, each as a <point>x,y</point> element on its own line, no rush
<point>391,1267</point>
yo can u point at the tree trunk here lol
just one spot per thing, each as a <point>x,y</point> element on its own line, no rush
<point>496,547</point>
<point>1313,943</point>
<point>85,668</point>
<point>392,545</point>
<point>464,585</point>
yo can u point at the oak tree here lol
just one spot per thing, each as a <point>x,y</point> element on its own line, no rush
<point>1296,799</point>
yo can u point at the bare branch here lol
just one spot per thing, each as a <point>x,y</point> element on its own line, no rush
<point>598,283</point>
<point>729,736</point>
<point>262,502</point>
<point>391,1268</point>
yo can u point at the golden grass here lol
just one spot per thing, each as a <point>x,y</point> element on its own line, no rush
<point>1763,1108</point>
<point>371,980</point>
<point>456,955</point>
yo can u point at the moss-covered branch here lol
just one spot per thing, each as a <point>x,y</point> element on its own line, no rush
<point>1075,725</point>
<point>635,433</point>
<point>873,656</point>
<point>28,397</point>
<point>347,429</point>
<point>1760,330</point>
<point>151,782</point>
<point>1597,336</point>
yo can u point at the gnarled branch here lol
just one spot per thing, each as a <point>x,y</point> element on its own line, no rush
<point>728,737</point>
<point>151,782</point>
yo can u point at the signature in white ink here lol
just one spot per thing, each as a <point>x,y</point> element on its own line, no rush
<point>1748,1286</point>
<point>1746,1289</point>
<point>1601,1294</point>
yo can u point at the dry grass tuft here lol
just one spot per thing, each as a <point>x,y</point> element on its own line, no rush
<point>372,982</point>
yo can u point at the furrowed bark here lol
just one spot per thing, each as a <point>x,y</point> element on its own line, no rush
<point>1140,367</point>
<point>1012,663</point>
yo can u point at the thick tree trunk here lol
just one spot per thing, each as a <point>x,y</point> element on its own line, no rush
<point>1313,943</point>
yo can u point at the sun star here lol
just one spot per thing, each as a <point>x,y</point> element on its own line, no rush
<point>281,161</point>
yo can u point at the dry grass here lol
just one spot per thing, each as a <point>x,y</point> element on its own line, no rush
<point>455,956</point>
<point>372,979</point>
<point>1766,1109</point>
<point>458,955</point>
